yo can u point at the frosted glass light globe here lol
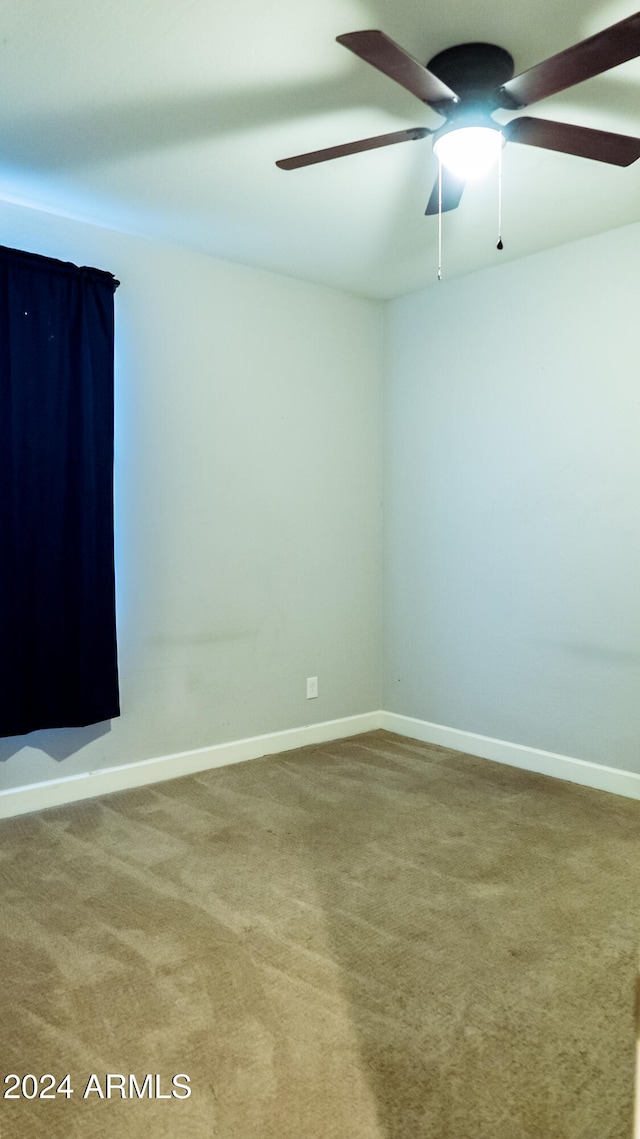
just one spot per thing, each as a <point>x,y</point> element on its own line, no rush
<point>469,152</point>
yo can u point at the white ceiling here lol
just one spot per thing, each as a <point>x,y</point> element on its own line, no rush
<point>165,118</point>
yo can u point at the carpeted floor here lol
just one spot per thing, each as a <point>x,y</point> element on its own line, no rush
<point>371,939</point>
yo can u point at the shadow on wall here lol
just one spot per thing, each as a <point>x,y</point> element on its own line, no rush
<point>57,743</point>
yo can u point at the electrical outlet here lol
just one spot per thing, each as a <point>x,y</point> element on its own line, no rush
<point>312,687</point>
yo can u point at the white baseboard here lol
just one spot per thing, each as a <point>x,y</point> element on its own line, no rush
<point>86,785</point>
<point>602,778</point>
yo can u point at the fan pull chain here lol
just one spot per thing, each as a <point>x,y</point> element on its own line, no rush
<point>500,245</point>
<point>439,219</point>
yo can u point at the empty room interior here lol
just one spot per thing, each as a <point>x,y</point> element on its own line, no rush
<point>352,847</point>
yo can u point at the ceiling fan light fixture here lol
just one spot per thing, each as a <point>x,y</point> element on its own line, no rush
<point>469,152</point>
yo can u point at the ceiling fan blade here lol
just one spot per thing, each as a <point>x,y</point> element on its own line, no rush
<point>452,188</point>
<point>352,148</point>
<point>603,146</point>
<point>382,52</point>
<point>590,57</point>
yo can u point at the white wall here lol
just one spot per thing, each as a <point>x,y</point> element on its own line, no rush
<point>512,502</point>
<point>248,502</point>
<point>248,495</point>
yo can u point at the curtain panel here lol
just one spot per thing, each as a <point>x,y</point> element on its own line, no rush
<point>58,656</point>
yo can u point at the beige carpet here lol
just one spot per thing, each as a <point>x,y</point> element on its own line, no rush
<point>371,939</point>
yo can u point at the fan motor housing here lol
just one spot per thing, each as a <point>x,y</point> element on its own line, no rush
<point>474,71</point>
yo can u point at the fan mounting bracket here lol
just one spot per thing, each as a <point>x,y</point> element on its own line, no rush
<point>474,71</point>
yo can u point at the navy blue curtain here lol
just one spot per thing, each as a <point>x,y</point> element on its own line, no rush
<point>58,659</point>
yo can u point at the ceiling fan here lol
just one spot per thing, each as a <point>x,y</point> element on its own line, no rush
<point>467,83</point>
